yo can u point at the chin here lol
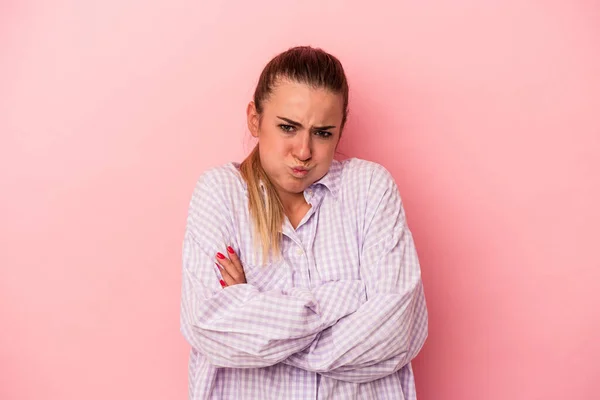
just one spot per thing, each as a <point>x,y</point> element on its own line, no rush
<point>295,187</point>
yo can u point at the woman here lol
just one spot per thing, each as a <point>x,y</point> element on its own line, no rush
<point>300,275</point>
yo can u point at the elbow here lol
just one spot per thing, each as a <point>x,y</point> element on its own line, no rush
<point>222,354</point>
<point>190,334</point>
<point>419,342</point>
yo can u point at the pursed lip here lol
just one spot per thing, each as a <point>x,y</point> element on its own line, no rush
<point>300,169</point>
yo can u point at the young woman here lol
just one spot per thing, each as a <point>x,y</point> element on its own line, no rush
<point>300,275</point>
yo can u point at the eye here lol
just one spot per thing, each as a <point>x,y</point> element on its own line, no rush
<point>286,128</point>
<point>323,134</point>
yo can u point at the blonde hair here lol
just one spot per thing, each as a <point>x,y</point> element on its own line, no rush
<point>264,204</point>
<point>302,64</point>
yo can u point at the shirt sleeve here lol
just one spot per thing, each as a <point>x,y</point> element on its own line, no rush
<point>389,329</point>
<point>239,326</point>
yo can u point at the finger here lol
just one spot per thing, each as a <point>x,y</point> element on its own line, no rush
<point>221,280</point>
<point>229,268</point>
<point>226,280</point>
<point>235,260</point>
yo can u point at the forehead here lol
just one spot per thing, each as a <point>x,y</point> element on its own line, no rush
<point>298,100</point>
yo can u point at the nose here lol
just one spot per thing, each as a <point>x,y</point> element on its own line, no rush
<point>302,148</point>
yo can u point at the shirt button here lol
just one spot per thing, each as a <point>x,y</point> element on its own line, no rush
<point>299,251</point>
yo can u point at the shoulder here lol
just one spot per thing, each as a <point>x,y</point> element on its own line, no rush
<point>223,178</point>
<point>220,183</point>
<point>365,176</point>
<point>217,195</point>
<point>221,175</point>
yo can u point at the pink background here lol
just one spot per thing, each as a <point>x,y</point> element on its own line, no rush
<point>487,114</point>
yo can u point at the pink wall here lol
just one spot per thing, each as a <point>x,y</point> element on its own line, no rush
<point>485,112</point>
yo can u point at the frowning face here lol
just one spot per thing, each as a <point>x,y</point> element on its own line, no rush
<point>298,132</point>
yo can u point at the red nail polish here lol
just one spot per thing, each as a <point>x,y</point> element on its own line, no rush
<point>223,283</point>
<point>218,265</point>
<point>229,249</point>
<point>221,256</point>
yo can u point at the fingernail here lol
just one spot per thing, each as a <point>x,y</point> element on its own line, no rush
<point>221,256</point>
<point>223,283</point>
<point>218,265</point>
<point>229,249</point>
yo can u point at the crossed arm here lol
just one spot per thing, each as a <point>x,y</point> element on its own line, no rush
<point>355,331</point>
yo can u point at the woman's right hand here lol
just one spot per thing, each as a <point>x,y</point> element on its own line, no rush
<point>231,268</point>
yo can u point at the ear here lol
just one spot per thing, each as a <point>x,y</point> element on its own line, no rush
<point>253,119</point>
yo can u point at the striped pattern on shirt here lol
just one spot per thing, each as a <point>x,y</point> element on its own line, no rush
<point>339,316</point>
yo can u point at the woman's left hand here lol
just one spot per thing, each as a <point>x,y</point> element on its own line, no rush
<point>231,268</point>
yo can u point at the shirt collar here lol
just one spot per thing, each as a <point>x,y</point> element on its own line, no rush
<point>332,178</point>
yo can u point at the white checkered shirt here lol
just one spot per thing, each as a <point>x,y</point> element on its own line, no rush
<point>339,316</point>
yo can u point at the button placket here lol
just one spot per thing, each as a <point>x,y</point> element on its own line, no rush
<point>309,242</point>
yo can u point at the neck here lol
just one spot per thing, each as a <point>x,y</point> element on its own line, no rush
<point>292,202</point>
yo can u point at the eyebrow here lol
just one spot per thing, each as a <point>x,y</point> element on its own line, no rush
<point>299,125</point>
